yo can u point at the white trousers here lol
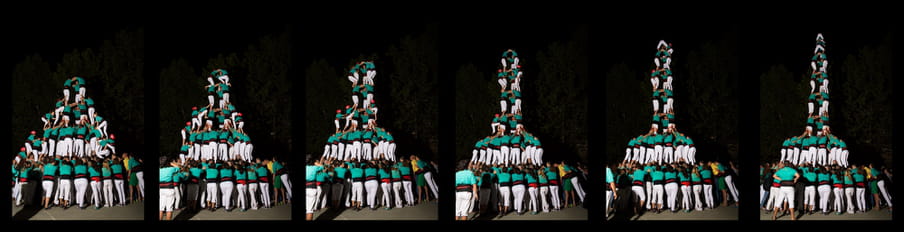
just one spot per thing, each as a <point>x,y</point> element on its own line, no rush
<point>463,203</point>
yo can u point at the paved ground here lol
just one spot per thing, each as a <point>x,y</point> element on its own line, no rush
<point>277,213</point>
<point>872,215</point>
<point>720,213</point>
<point>567,214</point>
<point>129,212</point>
<point>423,211</point>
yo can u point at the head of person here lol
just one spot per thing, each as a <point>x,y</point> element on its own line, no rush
<point>462,165</point>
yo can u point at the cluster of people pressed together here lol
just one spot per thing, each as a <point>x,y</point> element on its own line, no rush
<point>817,162</point>
<point>73,155</point>
<point>220,160</point>
<point>359,162</point>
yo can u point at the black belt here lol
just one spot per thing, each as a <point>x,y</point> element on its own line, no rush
<point>310,185</point>
<point>167,185</point>
<point>518,182</point>
<point>359,179</point>
<point>223,179</point>
<point>657,182</point>
<point>670,181</point>
<point>638,183</point>
<point>48,178</point>
<point>505,184</point>
<point>212,180</point>
<point>369,178</point>
<point>80,176</point>
<point>823,183</point>
<point>785,183</point>
<point>463,188</point>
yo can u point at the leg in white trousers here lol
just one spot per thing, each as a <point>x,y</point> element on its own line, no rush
<point>697,203</point>
<point>731,188</point>
<point>884,191</point>
<point>554,192</point>
<point>252,193</point>
<point>108,193</point>
<point>226,188</point>
<point>357,192</point>
<point>95,193</point>
<point>287,183</point>
<point>578,189</point>
<point>463,203</point>
<point>686,197</point>
<point>396,188</point>
<point>544,190</point>
<point>430,182</point>
<point>671,190</point>
<point>120,190</point>
<point>533,198</point>
<point>242,189</point>
<point>824,197</point>
<point>140,176</point>
<point>849,193</point>
<point>861,199</point>
<point>708,193</point>
<point>809,196</point>
<point>265,194</point>
<point>518,192</point>
<point>212,193</point>
<point>657,196</point>
<point>838,192</point>
<point>638,190</point>
<point>81,184</point>
<point>505,193</point>
<point>371,187</point>
<point>385,200</point>
<point>310,199</point>
<point>409,194</point>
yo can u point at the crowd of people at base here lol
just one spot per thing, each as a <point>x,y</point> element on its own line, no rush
<point>74,146</point>
<point>500,189</point>
<point>228,184</point>
<point>216,132</point>
<point>633,187</point>
<point>65,182</point>
<point>356,185</point>
<point>823,189</point>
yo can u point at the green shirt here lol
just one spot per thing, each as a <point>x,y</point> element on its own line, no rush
<point>465,177</point>
<point>786,174</point>
<point>50,169</point>
<point>170,174</point>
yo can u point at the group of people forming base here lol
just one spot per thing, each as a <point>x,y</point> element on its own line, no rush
<point>635,187</point>
<point>81,182</point>
<point>209,184</point>
<point>786,185</point>
<point>354,184</point>
<point>501,189</point>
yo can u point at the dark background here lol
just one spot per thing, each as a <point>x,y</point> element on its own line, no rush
<point>706,77</point>
<point>554,59</point>
<point>860,86</point>
<point>406,90</point>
